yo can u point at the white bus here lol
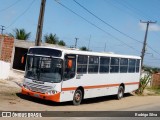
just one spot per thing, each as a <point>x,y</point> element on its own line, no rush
<point>72,75</point>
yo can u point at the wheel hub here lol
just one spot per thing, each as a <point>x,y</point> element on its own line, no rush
<point>77,97</point>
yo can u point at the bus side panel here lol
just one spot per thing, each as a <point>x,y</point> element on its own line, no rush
<point>97,92</point>
<point>131,88</point>
<point>66,96</point>
<point>96,85</point>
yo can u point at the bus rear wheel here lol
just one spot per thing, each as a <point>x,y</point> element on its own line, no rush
<point>77,98</point>
<point>120,92</point>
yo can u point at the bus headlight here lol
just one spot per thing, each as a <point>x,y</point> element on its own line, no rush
<point>51,92</point>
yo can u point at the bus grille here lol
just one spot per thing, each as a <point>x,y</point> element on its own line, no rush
<point>38,87</point>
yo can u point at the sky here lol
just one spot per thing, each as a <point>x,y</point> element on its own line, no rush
<point>102,25</point>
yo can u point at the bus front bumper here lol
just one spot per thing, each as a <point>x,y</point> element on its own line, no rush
<point>54,97</point>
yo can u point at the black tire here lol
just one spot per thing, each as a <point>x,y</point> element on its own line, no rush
<point>120,92</point>
<point>77,98</point>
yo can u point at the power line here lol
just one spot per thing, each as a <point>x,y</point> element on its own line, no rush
<point>153,50</point>
<point>10,6</point>
<point>96,26</point>
<point>106,22</point>
<point>138,11</point>
<point>21,14</point>
<point>126,11</point>
<point>131,8</point>
<point>137,18</point>
<point>112,26</point>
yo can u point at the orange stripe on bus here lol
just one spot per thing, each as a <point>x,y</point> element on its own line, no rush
<point>98,86</point>
<point>132,83</point>
<point>69,88</point>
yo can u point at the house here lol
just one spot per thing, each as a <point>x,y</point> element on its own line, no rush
<point>11,52</point>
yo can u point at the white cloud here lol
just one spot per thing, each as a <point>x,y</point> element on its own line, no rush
<point>152,27</point>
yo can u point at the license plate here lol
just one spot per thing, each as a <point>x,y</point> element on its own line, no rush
<point>36,95</point>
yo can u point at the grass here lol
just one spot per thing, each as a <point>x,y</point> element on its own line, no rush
<point>155,90</point>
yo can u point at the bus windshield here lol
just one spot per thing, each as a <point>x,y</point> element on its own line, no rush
<point>45,69</point>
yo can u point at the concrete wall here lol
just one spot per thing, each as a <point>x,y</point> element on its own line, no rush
<point>4,70</point>
<point>6,49</point>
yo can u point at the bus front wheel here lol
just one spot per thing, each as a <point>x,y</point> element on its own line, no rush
<point>77,98</point>
<point>120,92</point>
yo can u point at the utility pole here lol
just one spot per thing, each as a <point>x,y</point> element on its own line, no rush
<point>76,42</point>
<point>40,24</point>
<point>89,42</point>
<point>2,29</point>
<point>145,41</point>
<point>105,47</point>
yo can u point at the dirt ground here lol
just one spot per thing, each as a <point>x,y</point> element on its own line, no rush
<point>11,99</point>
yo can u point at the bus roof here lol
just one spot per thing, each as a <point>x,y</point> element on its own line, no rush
<point>77,51</point>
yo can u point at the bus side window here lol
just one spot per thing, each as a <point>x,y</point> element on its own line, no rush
<point>123,65</point>
<point>132,63</point>
<point>93,64</point>
<point>70,66</point>
<point>114,66</point>
<point>82,64</point>
<point>104,64</point>
<point>137,65</point>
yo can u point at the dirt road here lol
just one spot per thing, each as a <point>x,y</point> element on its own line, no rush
<point>12,100</point>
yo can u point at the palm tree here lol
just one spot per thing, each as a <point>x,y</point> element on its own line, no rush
<point>62,43</point>
<point>20,34</point>
<point>51,39</point>
<point>83,48</point>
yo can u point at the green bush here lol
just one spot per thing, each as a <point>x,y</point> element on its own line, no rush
<point>143,83</point>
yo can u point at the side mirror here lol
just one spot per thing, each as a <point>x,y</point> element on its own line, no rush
<point>69,64</point>
<point>22,59</point>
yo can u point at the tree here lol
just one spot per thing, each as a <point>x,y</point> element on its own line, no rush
<point>83,48</point>
<point>20,34</point>
<point>153,69</point>
<point>62,43</point>
<point>51,39</point>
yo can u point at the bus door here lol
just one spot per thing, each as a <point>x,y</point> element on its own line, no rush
<point>69,67</point>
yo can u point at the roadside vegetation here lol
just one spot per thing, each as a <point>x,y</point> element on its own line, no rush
<point>153,90</point>
<point>84,48</point>
<point>143,83</point>
<point>145,80</point>
<point>22,34</point>
<point>53,39</point>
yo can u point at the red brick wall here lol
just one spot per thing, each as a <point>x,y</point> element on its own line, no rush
<point>156,80</point>
<point>7,44</point>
